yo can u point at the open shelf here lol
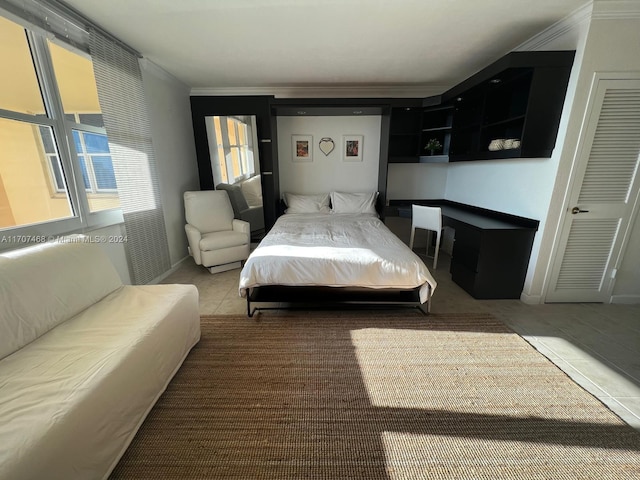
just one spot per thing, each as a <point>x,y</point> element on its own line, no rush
<point>436,126</point>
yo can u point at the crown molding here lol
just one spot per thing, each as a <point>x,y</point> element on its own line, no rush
<point>616,9</point>
<point>572,21</point>
<point>160,72</point>
<point>328,91</point>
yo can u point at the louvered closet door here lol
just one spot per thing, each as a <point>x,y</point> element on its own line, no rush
<point>598,216</point>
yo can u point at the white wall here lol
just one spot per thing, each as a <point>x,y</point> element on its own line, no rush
<point>329,173</point>
<point>173,142</point>
<point>414,181</point>
<point>519,187</point>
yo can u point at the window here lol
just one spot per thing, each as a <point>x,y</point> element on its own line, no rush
<point>93,155</point>
<point>51,153</point>
<point>52,138</point>
<point>79,96</point>
<point>95,161</point>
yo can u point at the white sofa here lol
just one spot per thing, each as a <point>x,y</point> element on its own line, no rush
<point>83,358</point>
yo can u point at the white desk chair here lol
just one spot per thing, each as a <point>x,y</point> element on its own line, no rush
<point>430,219</point>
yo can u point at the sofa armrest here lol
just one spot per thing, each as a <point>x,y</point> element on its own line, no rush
<point>193,237</point>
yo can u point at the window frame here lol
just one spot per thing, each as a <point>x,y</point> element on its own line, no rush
<point>82,129</point>
<point>82,218</point>
<point>242,148</point>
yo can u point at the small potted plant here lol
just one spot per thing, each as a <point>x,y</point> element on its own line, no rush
<point>432,145</point>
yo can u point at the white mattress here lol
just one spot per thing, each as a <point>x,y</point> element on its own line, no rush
<point>337,250</point>
<point>72,400</point>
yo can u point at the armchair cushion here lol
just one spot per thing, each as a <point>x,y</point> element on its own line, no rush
<point>208,211</point>
<point>223,239</point>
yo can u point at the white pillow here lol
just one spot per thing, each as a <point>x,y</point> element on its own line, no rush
<point>353,202</point>
<point>306,203</point>
<point>252,191</point>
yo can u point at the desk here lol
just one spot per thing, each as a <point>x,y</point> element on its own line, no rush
<point>491,249</point>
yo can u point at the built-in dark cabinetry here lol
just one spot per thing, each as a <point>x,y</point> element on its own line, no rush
<point>510,109</point>
<point>490,257</point>
<point>404,132</point>
<point>411,128</point>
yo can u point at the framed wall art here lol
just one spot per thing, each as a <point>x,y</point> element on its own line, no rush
<point>352,148</point>
<point>302,146</point>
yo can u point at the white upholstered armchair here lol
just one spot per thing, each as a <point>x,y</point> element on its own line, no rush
<point>216,239</point>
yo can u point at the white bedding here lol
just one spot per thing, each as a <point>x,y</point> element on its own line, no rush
<point>336,250</point>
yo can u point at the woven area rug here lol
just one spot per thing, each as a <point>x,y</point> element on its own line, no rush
<point>375,396</point>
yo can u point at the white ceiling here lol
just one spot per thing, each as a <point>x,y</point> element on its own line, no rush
<point>323,43</point>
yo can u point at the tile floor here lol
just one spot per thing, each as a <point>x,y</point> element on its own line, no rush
<point>596,345</point>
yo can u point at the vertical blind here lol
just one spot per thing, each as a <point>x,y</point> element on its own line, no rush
<point>124,110</point>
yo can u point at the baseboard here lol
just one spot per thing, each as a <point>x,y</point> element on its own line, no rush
<point>531,299</point>
<point>625,299</point>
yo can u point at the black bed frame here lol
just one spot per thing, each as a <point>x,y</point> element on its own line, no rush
<point>332,297</point>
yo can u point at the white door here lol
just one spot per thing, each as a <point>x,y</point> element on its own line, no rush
<point>604,196</point>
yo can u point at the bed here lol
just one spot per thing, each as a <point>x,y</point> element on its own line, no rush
<point>339,255</point>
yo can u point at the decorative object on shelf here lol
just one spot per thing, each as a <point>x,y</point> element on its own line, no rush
<point>504,144</point>
<point>326,145</point>
<point>352,148</point>
<point>302,148</point>
<point>496,144</point>
<point>432,145</point>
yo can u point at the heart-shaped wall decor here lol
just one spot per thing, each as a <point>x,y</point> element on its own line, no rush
<point>326,145</point>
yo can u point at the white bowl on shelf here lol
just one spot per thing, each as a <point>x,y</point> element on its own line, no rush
<point>511,143</point>
<point>496,144</point>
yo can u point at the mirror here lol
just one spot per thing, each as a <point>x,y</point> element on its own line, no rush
<point>235,165</point>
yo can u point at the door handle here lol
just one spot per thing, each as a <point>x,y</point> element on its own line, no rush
<point>575,210</point>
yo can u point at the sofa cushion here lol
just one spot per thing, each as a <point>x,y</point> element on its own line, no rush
<point>252,190</point>
<point>43,285</point>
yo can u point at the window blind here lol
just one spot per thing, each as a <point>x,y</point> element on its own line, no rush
<point>59,19</point>
<point>124,110</point>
